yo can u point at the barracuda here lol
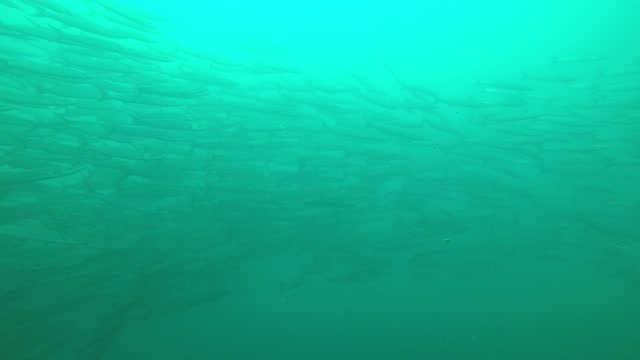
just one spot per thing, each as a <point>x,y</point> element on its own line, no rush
<point>27,176</point>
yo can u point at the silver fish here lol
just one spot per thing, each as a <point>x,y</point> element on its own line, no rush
<point>27,176</point>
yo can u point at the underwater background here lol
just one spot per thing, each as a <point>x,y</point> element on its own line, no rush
<point>319,180</point>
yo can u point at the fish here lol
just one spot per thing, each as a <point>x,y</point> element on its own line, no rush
<point>122,202</point>
<point>92,27</point>
<point>40,174</point>
<point>37,234</point>
<point>505,85</point>
<point>574,59</point>
<point>126,16</point>
<point>548,77</point>
<point>9,264</point>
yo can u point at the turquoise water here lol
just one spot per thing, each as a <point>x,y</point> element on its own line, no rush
<point>319,180</point>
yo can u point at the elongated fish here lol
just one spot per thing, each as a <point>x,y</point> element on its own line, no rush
<point>122,202</point>
<point>9,214</point>
<point>9,264</point>
<point>576,59</point>
<point>27,176</point>
<point>36,234</point>
<point>128,204</point>
<point>505,85</point>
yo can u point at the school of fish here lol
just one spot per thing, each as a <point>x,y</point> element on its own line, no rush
<point>140,177</point>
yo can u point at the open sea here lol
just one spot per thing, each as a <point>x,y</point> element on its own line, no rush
<point>319,180</point>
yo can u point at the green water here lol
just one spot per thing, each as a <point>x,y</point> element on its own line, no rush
<point>319,180</point>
